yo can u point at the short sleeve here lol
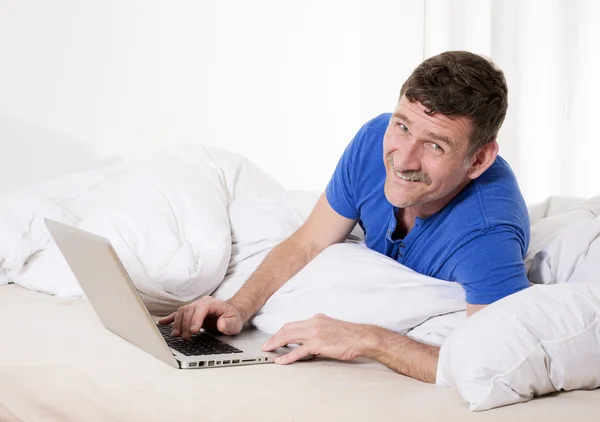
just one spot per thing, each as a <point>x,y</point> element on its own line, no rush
<point>490,266</point>
<point>341,189</point>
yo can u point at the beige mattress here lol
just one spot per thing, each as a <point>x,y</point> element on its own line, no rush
<point>58,363</point>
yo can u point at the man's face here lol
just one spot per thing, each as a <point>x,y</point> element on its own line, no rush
<point>424,158</point>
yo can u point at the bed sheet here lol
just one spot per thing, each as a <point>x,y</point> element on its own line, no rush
<point>57,363</point>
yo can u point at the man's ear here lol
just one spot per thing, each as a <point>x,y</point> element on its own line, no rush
<point>482,160</point>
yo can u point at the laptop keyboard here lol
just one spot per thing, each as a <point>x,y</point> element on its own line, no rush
<point>199,344</point>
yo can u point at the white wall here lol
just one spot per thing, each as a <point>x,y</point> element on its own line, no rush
<point>285,83</point>
<point>549,53</point>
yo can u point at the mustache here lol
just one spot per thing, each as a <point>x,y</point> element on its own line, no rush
<point>416,176</point>
<point>412,175</point>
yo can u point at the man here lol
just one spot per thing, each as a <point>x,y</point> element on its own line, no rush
<point>429,190</point>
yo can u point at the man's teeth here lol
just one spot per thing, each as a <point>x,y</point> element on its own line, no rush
<point>403,177</point>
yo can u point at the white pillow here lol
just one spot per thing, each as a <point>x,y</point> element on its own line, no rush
<point>435,330</point>
<point>564,246</point>
<point>350,282</point>
<point>551,206</point>
<point>19,208</point>
<point>538,341</point>
<point>166,217</point>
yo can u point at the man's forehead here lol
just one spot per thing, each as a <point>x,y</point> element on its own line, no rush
<point>416,113</point>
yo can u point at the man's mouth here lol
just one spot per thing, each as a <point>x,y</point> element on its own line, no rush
<point>408,177</point>
<point>413,176</point>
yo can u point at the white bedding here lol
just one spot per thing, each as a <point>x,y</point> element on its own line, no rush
<point>542,340</point>
<point>62,365</point>
<point>166,217</point>
<point>565,242</point>
<point>353,283</point>
<point>198,220</point>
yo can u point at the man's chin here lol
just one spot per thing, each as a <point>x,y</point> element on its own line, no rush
<point>401,200</point>
<point>406,204</point>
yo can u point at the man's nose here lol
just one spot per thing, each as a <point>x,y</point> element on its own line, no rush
<point>407,157</point>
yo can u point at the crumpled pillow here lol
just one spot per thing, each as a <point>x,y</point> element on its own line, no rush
<point>538,341</point>
<point>167,218</point>
<point>22,229</point>
<point>353,283</point>
<point>564,244</point>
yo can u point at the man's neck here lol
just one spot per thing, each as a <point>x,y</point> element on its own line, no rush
<point>405,221</point>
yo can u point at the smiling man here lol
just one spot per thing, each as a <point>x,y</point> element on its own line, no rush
<point>428,188</point>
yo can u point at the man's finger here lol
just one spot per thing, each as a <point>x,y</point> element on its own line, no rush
<point>293,356</point>
<point>223,325</point>
<point>288,334</point>
<point>177,322</point>
<point>168,319</point>
<point>186,322</point>
<point>203,309</point>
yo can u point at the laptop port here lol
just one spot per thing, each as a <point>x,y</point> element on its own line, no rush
<point>192,364</point>
<point>235,361</point>
<point>218,362</point>
<point>201,363</point>
<point>226,362</point>
<point>211,363</point>
<point>249,360</point>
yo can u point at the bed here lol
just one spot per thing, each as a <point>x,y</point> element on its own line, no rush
<point>58,363</point>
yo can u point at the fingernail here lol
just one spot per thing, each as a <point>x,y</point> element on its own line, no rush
<point>264,346</point>
<point>175,333</point>
<point>278,360</point>
<point>193,327</point>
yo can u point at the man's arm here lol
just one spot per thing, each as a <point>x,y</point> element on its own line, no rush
<point>404,355</point>
<point>328,337</point>
<point>332,338</point>
<point>324,227</point>
<point>471,309</point>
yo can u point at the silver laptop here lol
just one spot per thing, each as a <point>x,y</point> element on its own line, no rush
<point>119,306</point>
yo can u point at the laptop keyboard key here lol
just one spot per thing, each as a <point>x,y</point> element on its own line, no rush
<point>200,343</point>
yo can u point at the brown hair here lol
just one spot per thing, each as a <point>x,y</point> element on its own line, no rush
<point>460,83</point>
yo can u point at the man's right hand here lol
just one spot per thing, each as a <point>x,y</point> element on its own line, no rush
<point>208,313</point>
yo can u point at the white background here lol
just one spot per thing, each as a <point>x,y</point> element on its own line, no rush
<point>285,83</point>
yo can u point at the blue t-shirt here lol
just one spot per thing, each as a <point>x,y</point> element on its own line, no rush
<point>479,239</point>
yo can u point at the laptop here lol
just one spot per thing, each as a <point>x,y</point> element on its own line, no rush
<point>117,303</point>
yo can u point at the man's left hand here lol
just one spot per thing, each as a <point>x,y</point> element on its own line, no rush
<point>319,336</point>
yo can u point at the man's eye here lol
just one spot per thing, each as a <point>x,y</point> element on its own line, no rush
<point>436,147</point>
<point>402,127</point>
